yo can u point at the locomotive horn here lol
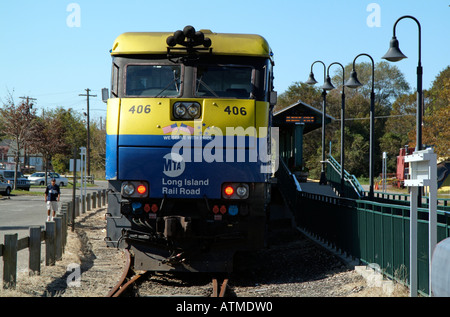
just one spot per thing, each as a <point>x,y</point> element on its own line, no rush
<point>179,37</point>
<point>171,41</point>
<point>189,31</point>
<point>188,37</point>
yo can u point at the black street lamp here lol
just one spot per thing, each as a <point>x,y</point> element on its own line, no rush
<point>394,55</point>
<point>353,82</point>
<point>329,86</point>
<point>311,81</point>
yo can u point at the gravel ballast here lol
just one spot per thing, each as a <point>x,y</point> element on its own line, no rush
<point>293,266</point>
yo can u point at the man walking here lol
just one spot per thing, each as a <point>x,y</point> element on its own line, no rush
<point>52,194</point>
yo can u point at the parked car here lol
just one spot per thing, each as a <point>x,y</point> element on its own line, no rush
<point>5,187</point>
<point>38,178</point>
<point>22,181</point>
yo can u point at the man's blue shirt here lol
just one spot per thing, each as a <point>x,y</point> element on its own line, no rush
<point>52,192</point>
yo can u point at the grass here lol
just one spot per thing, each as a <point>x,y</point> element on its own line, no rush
<point>69,185</point>
<point>21,192</point>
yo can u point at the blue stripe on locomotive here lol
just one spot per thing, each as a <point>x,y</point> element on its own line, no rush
<point>111,157</point>
<point>192,177</point>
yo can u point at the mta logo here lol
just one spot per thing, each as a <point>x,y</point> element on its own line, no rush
<point>174,165</point>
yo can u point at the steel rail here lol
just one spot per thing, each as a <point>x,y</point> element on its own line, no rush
<point>128,278</point>
<point>223,288</point>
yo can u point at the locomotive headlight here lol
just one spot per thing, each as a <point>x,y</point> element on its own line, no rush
<point>128,189</point>
<point>180,110</point>
<point>228,190</point>
<point>135,189</point>
<point>194,109</point>
<point>141,189</point>
<point>241,191</point>
<point>235,191</point>
<point>186,110</point>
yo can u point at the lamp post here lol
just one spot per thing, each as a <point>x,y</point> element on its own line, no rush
<point>311,81</point>
<point>329,86</point>
<point>353,82</point>
<point>394,55</point>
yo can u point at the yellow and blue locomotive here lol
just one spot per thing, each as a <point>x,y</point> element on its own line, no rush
<point>188,147</point>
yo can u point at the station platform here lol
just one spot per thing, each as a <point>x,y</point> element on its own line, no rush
<point>316,188</point>
<point>280,212</point>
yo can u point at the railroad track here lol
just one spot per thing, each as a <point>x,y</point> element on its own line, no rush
<point>223,287</point>
<point>130,277</point>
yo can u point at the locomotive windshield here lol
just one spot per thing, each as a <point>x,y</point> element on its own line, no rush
<point>224,81</point>
<point>153,80</point>
<point>207,77</point>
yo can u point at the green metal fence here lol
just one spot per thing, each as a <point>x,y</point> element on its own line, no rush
<point>375,232</point>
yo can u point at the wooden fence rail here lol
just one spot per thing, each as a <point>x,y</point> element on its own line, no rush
<point>54,235</point>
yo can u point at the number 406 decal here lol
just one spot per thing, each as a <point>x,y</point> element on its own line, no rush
<point>139,109</point>
<point>235,111</point>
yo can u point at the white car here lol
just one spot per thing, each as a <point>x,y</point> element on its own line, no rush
<point>38,178</point>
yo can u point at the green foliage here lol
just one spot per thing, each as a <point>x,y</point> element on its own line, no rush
<point>389,85</point>
<point>299,91</point>
<point>60,163</point>
<point>436,129</point>
<point>54,135</point>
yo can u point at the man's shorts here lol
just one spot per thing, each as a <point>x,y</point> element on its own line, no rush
<point>52,205</point>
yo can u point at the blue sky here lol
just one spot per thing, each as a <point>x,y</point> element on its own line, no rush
<point>44,58</point>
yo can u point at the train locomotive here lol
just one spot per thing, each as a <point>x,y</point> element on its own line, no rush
<point>188,147</point>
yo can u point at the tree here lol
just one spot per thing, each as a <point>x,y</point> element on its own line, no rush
<point>398,128</point>
<point>73,135</point>
<point>17,122</point>
<point>299,91</point>
<point>436,132</point>
<point>98,147</point>
<point>389,84</point>
<point>440,91</point>
<point>46,138</point>
<point>436,128</point>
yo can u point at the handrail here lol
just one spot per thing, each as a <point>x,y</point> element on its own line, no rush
<point>347,177</point>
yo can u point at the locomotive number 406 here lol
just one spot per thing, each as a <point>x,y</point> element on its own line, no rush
<point>139,109</point>
<point>235,110</point>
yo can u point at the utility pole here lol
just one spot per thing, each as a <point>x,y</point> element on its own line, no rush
<point>28,100</point>
<point>88,147</point>
<point>29,106</point>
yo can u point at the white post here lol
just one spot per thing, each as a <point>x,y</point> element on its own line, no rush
<point>83,174</point>
<point>432,211</point>
<point>413,243</point>
<point>423,172</point>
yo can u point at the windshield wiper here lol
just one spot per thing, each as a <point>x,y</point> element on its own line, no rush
<point>168,85</point>
<point>207,87</point>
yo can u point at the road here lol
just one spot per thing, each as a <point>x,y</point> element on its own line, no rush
<point>18,213</point>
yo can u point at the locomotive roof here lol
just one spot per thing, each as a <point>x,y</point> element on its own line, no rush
<point>222,44</point>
